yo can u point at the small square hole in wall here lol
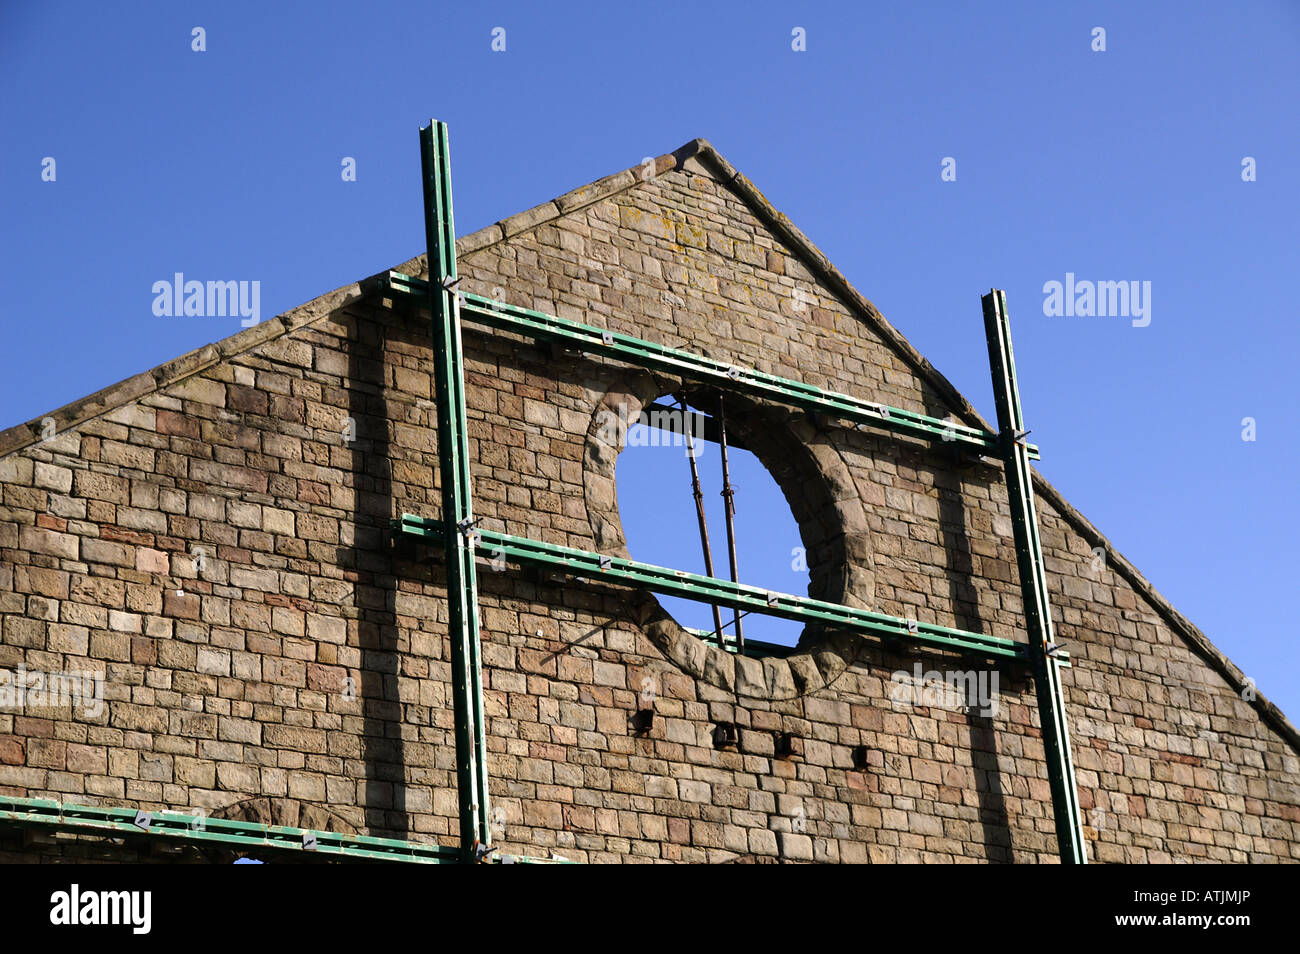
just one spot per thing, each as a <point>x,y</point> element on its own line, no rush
<point>860,753</point>
<point>726,736</point>
<point>787,745</point>
<point>643,721</point>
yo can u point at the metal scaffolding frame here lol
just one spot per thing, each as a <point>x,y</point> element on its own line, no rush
<point>458,533</point>
<point>1044,651</point>
<point>273,842</point>
<point>457,507</point>
<point>182,828</point>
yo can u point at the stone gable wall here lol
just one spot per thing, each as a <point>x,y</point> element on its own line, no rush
<point>302,671</point>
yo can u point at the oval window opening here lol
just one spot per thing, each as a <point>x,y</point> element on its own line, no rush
<point>656,504</point>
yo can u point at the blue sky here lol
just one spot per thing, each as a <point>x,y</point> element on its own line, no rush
<point>1116,165</point>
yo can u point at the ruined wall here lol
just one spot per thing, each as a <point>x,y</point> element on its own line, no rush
<point>299,672</point>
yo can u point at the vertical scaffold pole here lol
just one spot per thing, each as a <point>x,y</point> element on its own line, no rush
<point>729,498</point>
<point>698,494</point>
<point>457,510</point>
<point>1033,581</point>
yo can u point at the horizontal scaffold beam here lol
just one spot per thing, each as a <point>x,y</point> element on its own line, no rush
<point>215,832</point>
<point>757,384</point>
<point>203,832</point>
<point>705,589</point>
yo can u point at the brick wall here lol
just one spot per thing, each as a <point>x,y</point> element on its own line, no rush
<point>298,671</point>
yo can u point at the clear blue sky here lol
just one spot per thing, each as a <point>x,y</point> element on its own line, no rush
<point>1122,165</point>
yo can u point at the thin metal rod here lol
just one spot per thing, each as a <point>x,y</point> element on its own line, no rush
<point>720,635</point>
<point>729,497</point>
<point>1033,582</point>
<point>646,354</point>
<point>699,510</point>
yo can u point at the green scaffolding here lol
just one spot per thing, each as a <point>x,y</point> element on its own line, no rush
<point>457,532</point>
